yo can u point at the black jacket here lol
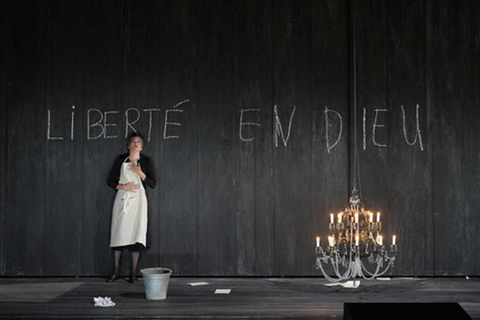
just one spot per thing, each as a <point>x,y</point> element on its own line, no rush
<point>147,165</point>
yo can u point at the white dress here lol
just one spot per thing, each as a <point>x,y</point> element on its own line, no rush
<point>129,214</point>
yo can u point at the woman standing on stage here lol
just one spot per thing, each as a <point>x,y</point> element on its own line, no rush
<point>130,174</point>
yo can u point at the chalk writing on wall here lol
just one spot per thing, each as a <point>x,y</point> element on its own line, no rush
<point>101,124</point>
<point>106,125</point>
<point>328,129</point>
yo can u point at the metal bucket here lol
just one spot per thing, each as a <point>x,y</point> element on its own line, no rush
<point>156,282</point>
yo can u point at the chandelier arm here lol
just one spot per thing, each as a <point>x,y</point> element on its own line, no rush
<point>378,265</point>
<point>390,262</point>
<point>319,265</point>
<point>348,272</point>
<point>372,275</point>
<point>336,268</point>
<point>351,271</point>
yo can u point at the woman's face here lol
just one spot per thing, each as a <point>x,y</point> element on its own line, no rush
<point>136,144</point>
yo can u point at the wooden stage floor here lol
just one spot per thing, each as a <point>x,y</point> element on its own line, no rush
<point>274,298</point>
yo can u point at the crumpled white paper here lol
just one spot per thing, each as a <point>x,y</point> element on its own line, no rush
<point>348,284</point>
<point>103,302</point>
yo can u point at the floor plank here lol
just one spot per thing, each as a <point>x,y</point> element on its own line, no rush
<point>274,298</point>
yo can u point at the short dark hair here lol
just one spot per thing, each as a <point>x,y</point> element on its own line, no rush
<point>134,135</point>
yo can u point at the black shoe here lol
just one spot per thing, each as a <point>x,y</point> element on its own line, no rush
<point>132,279</point>
<point>113,278</point>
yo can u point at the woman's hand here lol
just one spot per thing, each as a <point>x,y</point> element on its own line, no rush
<point>138,170</point>
<point>129,186</point>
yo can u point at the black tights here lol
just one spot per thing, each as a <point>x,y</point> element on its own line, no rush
<point>134,255</point>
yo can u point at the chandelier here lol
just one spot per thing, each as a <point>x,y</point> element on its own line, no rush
<point>355,241</point>
<point>355,246</point>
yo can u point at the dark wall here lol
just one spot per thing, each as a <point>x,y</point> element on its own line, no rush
<point>248,111</point>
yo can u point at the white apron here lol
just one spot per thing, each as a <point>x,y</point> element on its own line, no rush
<point>129,214</point>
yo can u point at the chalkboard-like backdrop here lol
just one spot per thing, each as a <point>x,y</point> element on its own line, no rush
<point>247,109</point>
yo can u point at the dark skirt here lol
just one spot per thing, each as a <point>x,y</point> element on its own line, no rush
<point>137,247</point>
